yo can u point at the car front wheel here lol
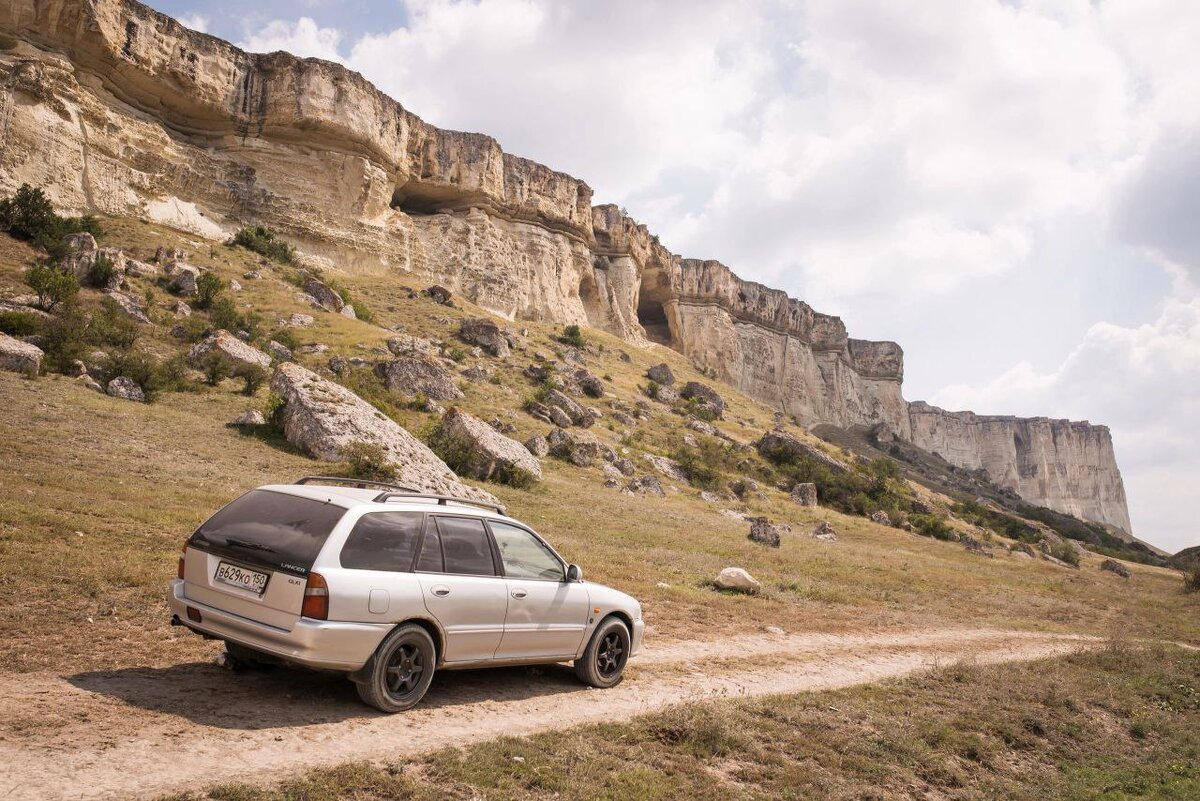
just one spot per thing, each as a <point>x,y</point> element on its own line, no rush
<point>399,673</point>
<point>603,662</point>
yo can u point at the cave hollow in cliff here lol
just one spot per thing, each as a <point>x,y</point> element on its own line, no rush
<point>654,296</point>
<point>416,198</point>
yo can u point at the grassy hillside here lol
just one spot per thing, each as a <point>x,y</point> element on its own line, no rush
<point>101,492</point>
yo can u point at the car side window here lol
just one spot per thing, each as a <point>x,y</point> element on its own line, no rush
<point>524,555</point>
<point>465,546</point>
<point>383,541</point>
<point>430,560</point>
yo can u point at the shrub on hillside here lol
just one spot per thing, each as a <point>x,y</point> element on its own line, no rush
<point>75,331</point>
<point>52,285</point>
<point>264,241</point>
<point>368,461</point>
<point>101,272</point>
<point>1191,580</point>
<point>208,287</point>
<point>29,215</point>
<point>573,336</point>
<point>216,367</point>
<point>19,324</point>
<point>252,375</point>
<point>144,369</point>
<point>224,314</point>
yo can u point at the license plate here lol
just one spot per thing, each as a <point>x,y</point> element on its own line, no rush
<point>240,577</point>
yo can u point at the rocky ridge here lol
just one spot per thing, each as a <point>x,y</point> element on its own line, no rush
<point>115,108</point>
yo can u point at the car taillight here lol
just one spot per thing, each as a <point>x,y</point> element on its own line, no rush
<point>316,598</point>
<point>182,557</point>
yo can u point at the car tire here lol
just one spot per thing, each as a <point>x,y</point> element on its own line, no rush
<point>400,671</point>
<point>603,661</point>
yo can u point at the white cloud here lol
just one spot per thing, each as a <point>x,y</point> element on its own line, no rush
<point>302,38</point>
<point>195,21</point>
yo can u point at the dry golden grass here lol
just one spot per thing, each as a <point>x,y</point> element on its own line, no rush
<point>135,479</point>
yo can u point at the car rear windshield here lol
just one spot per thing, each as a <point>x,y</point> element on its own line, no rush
<point>271,529</point>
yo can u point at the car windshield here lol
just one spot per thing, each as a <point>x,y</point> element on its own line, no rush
<point>273,529</point>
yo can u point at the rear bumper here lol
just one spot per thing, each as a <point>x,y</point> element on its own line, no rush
<point>326,645</point>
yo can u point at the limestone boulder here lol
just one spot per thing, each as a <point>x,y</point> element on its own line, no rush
<point>667,467</point>
<point>485,334</point>
<point>184,278</point>
<point>805,493</point>
<point>705,399</point>
<point>661,374</point>
<point>439,294</point>
<point>824,531</point>
<point>417,374</point>
<point>764,532</point>
<point>250,418</point>
<point>279,352</point>
<point>322,418</point>
<point>645,485</point>
<point>589,384</point>
<point>126,389</point>
<point>736,579</point>
<point>129,305</point>
<point>1113,566</point>
<point>537,445</point>
<point>234,349</point>
<point>579,448</point>
<point>574,413</point>
<point>19,357</point>
<point>481,451</point>
<point>324,295</point>
<point>881,517</point>
<point>779,445</point>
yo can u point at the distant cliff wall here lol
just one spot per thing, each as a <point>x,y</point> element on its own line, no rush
<point>116,108</point>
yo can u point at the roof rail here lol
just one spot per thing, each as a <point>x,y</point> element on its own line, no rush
<point>442,500</point>
<point>354,482</point>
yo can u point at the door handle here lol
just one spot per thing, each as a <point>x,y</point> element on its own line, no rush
<point>441,591</point>
<point>518,593</point>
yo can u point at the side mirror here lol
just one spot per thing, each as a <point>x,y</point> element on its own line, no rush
<point>574,573</point>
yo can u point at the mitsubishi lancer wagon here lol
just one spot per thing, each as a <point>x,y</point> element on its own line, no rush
<point>387,585</point>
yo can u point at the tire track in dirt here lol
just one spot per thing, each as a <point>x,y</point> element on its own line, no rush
<point>147,731</point>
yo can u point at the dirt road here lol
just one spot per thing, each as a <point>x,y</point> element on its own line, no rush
<point>147,731</point>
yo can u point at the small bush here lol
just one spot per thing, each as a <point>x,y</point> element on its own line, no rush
<point>101,273</point>
<point>264,241</point>
<point>111,326</point>
<point>253,376</point>
<point>456,353</point>
<point>571,335</point>
<point>1191,580</point>
<point>29,215</point>
<point>19,324</point>
<point>513,476</point>
<point>192,329</point>
<point>224,314</point>
<point>208,287</point>
<point>362,311</point>
<point>273,411</point>
<point>932,526</point>
<point>144,369</point>
<point>285,336</point>
<point>216,368</point>
<point>1064,551</point>
<point>52,285</point>
<point>368,461</point>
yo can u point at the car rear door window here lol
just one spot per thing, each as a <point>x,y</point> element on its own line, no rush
<point>383,541</point>
<point>430,560</point>
<point>268,528</point>
<point>524,555</point>
<point>465,546</point>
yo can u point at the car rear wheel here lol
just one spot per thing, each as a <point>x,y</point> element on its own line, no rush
<point>603,662</point>
<point>399,673</point>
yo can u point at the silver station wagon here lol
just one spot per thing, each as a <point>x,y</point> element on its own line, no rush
<point>388,585</point>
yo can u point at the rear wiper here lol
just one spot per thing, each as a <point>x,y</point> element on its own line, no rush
<point>254,546</point>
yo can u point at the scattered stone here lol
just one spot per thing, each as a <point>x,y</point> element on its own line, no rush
<point>298,320</point>
<point>79,241</point>
<point>668,467</point>
<point>486,453</point>
<point>1113,566</point>
<point>558,416</point>
<point>77,368</point>
<point>233,348</point>
<point>416,374</point>
<point>764,532</point>
<point>140,269</point>
<point>349,312</point>
<point>881,517</point>
<point>181,309</point>
<point>625,357</point>
<point>662,585</point>
<point>126,389</point>
<point>234,286</point>
<point>709,497</point>
<point>485,334</point>
<point>623,418</point>
<point>974,545</point>
<point>704,398</point>
<point>702,427</point>
<point>775,630</point>
<point>476,373</point>
<point>578,448</point>
<point>737,580</point>
<point>1020,555</point>
<point>611,483</point>
<point>667,395</point>
<point>578,415</point>
<point>250,418</point>
<point>646,485</point>
<point>252,275</point>
<point>19,357</point>
<point>626,467</point>
<point>824,531</point>
<point>661,374</point>
<point>313,348</point>
<point>805,493</point>
<point>537,445</point>
<point>439,294</point>
<point>1024,548</point>
<point>324,295</point>
<point>183,278</point>
<point>339,365</point>
<point>279,352</point>
<point>322,418</point>
<point>402,346</point>
<point>589,383</point>
<point>129,305</point>
<point>90,383</point>
<point>777,442</point>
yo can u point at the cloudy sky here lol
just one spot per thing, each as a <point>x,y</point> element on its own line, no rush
<point>1009,189</point>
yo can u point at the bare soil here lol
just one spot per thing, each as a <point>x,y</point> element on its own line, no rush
<point>143,731</point>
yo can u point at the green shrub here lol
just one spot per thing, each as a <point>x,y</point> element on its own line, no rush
<point>264,241</point>
<point>253,376</point>
<point>111,326</point>
<point>369,461</point>
<point>571,335</point>
<point>285,336</point>
<point>216,367</point>
<point>1064,551</point>
<point>74,332</point>
<point>1191,580</point>
<point>513,476</point>
<point>19,324</point>
<point>192,329</point>
<point>29,215</point>
<point>362,311</point>
<point>100,274</point>
<point>273,411</point>
<point>932,526</point>
<point>702,464</point>
<point>144,369</point>
<point>52,285</point>
<point>224,314</point>
<point>208,287</point>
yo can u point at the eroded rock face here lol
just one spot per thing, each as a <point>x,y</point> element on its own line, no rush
<point>486,452</point>
<point>322,418</point>
<point>317,153</point>
<point>778,443</point>
<point>1067,466</point>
